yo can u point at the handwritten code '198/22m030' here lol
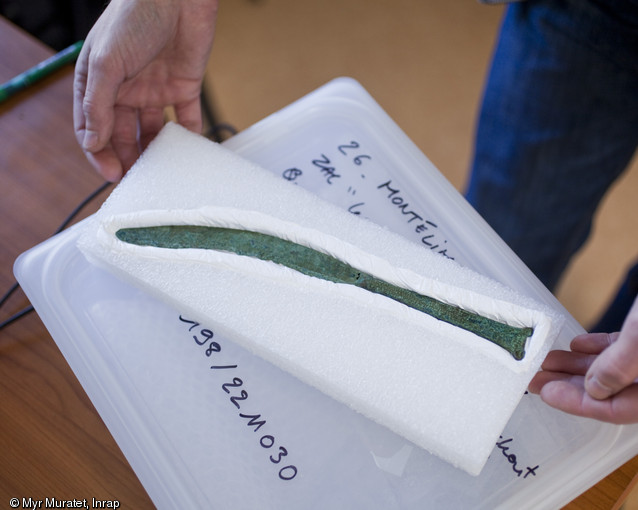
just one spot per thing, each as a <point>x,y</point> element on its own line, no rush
<point>238,396</point>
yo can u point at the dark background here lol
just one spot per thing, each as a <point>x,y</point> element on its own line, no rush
<point>57,23</point>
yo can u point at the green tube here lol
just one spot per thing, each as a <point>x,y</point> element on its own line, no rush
<point>320,265</point>
<point>40,71</point>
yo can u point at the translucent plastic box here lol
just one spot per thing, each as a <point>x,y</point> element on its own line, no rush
<point>169,393</point>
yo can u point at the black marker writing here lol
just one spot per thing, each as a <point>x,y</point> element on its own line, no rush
<point>325,165</point>
<point>504,446</point>
<point>238,396</point>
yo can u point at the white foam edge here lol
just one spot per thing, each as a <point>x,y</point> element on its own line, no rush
<point>497,309</point>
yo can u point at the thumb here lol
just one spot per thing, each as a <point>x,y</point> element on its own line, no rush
<point>617,366</point>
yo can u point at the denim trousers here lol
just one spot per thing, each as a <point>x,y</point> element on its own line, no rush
<point>557,125</point>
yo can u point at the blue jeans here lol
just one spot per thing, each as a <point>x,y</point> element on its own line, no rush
<point>558,124</point>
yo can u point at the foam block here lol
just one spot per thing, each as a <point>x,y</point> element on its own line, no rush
<point>443,388</point>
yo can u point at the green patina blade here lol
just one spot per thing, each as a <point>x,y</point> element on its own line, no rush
<point>321,265</point>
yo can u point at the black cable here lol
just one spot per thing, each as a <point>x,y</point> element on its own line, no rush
<point>217,129</point>
<point>210,115</point>
<point>8,294</point>
<point>64,225</point>
<point>81,206</point>
<point>16,316</point>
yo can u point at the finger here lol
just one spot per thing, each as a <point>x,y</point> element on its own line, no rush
<point>571,397</point>
<point>542,378</point>
<point>79,90</point>
<point>617,366</point>
<point>569,362</point>
<point>107,163</point>
<point>593,343</point>
<point>189,114</point>
<point>102,85</point>
<point>125,136</point>
<point>151,122</point>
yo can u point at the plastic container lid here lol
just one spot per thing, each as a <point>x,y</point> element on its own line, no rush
<point>206,424</point>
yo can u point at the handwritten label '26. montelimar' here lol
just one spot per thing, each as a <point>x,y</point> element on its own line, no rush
<point>351,177</point>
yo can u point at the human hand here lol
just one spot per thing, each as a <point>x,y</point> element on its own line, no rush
<point>597,378</point>
<point>140,57</point>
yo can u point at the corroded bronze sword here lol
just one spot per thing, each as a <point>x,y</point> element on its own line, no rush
<point>320,265</point>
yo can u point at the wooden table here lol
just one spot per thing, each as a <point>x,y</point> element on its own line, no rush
<point>52,441</point>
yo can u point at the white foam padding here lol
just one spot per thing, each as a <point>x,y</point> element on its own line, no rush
<point>441,387</point>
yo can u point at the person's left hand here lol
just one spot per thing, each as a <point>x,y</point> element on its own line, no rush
<point>597,378</point>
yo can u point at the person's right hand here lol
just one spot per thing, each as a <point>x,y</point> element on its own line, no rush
<point>140,57</point>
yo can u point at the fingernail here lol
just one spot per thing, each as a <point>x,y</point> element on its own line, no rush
<point>90,140</point>
<point>596,389</point>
